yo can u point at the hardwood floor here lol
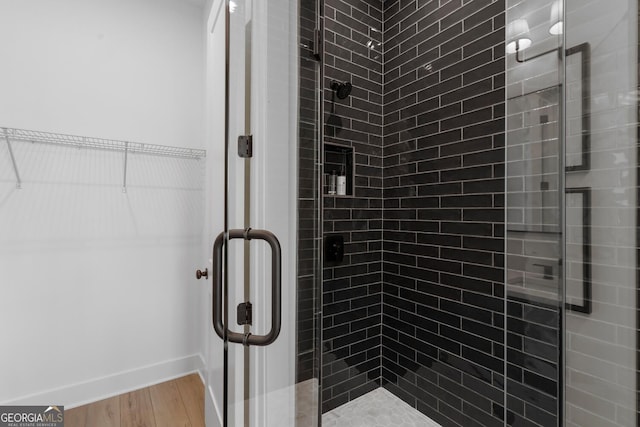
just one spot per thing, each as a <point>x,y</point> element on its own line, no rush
<point>176,403</point>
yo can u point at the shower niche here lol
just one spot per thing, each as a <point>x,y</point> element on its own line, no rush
<point>338,170</point>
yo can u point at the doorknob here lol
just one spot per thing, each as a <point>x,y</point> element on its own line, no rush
<point>201,274</point>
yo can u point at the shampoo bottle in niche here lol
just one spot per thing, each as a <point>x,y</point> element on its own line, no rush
<point>342,182</point>
<point>332,183</point>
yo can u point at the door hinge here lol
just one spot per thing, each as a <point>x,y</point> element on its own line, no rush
<point>317,44</point>
<point>245,146</point>
<point>245,313</point>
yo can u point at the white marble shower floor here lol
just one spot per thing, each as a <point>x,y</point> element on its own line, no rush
<point>378,408</point>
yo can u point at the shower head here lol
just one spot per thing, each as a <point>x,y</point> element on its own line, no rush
<point>342,89</point>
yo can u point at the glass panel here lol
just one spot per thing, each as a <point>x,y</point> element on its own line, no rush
<point>272,80</point>
<point>572,209</point>
<point>601,105</point>
<point>534,225</point>
<point>237,252</point>
<point>309,322</point>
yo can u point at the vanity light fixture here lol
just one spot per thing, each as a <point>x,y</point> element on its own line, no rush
<point>518,38</point>
<point>556,19</point>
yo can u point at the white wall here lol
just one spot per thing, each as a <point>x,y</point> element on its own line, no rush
<point>111,69</point>
<point>97,287</point>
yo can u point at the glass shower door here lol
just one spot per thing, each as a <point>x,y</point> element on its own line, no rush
<point>255,276</point>
<point>572,209</point>
<point>601,240</point>
<point>534,223</point>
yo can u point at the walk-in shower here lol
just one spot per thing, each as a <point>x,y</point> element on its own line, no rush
<point>489,275</point>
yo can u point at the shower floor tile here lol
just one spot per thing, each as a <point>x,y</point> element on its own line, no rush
<point>379,408</point>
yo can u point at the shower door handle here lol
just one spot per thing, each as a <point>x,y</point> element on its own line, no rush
<point>276,288</point>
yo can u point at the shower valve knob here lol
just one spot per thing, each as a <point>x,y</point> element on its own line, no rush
<point>201,274</point>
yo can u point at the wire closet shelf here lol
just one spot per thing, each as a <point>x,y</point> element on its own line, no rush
<point>125,147</point>
<point>101,144</point>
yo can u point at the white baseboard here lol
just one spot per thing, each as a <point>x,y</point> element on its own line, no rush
<point>212,414</point>
<point>81,393</point>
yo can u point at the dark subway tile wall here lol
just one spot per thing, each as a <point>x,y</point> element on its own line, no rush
<point>418,303</point>
<point>443,192</point>
<point>533,351</point>
<point>352,289</point>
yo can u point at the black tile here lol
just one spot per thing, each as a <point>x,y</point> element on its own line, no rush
<point>434,161</point>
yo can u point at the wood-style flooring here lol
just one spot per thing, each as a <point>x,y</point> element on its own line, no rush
<point>176,403</point>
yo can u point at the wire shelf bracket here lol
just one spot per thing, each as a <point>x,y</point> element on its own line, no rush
<point>126,147</point>
<point>124,177</point>
<point>13,160</point>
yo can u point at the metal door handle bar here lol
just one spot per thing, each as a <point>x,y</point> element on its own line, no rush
<point>276,288</point>
<point>587,291</point>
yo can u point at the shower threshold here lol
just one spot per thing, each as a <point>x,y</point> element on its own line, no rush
<point>378,408</point>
